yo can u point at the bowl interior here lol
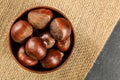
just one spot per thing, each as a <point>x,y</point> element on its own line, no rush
<point>15,46</point>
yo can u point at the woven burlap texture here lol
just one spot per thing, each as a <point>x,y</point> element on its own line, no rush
<point>93,22</point>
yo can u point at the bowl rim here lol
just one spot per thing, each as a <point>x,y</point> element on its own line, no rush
<point>47,71</point>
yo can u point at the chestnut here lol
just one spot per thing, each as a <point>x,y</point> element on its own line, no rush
<point>39,18</point>
<point>21,30</point>
<point>63,45</point>
<point>60,28</point>
<point>24,59</point>
<point>53,59</point>
<point>48,40</point>
<point>35,48</point>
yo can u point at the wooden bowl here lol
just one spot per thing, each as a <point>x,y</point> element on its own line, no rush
<point>13,46</point>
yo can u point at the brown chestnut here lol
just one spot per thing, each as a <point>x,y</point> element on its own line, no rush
<point>63,45</point>
<point>60,28</point>
<point>53,59</point>
<point>39,18</point>
<point>35,48</point>
<point>48,40</point>
<point>21,30</point>
<point>24,59</point>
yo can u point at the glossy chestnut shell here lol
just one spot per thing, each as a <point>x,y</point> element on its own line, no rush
<point>39,18</point>
<point>53,58</point>
<point>21,30</point>
<point>60,29</point>
<point>48,40</point>
<point>36,48</point>
<point>63,45</point>
<point>24,58</point>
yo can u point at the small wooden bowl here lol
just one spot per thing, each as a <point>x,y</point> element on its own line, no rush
<point>13,46</point>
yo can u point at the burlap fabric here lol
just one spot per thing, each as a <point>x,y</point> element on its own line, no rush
<point>93,22</point>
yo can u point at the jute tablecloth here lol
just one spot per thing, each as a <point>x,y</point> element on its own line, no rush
<point>93,22</point>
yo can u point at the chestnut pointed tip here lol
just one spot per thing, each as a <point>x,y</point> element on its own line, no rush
<point>62,54</point>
